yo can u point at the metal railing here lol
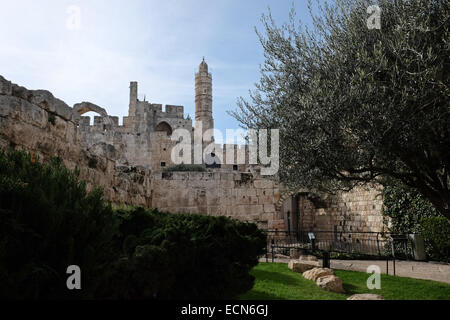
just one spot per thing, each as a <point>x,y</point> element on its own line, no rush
<point>369,243</point>
<point>381,245</point>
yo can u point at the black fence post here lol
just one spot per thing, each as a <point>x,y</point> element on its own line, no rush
<point>378,245</point>
<point>387,264</point>
<point>394,266</point>
<point>326,259</point>
<point>273,244</point>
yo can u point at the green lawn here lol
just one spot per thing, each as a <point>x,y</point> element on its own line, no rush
<point>275,281</point>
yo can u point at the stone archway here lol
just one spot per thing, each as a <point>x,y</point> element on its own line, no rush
<point>164,127</point>
<point>81,108</point>
<point>290,207</point>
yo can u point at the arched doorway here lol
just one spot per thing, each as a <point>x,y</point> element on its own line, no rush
<point>164,127</point>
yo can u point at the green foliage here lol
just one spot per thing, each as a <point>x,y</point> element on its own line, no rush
<point>47,222</point>
<point>404,208</point>
<point>406,211</point>
<point>184,256</point>
<point>436,231</point>
<point>184,167</point>
<point>354,104</point>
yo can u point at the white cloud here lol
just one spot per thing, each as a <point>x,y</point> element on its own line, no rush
<point>157,43</point>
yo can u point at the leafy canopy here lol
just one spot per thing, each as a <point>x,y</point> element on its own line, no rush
<point>356,105</point>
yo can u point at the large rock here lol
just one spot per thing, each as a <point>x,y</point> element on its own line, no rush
<point>303,266</point>
<point>317,273</point>
<point>365,296</point>
<point>331,283</point>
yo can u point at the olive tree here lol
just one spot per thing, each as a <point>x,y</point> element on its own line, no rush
<point>356,103</point>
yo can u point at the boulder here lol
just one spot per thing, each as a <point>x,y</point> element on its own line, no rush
<point>317,273</point>
<point>301,267</point>
<point>331,283</point>
<point>365,296</point>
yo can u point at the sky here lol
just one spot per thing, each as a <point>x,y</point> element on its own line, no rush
<point>90,50</point>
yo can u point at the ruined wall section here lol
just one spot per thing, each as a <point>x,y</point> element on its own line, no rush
<point>359,210</point>
<point>138,141</point>
<point>37,121</point>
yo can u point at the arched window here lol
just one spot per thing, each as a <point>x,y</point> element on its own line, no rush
<point>165,127</point>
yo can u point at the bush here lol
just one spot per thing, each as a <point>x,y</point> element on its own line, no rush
<point>436,231</point>
<point>47,222</point>
<point>405,208</point>
<point>185,167</point>
<point>183,256</point>
<point>408,212</point>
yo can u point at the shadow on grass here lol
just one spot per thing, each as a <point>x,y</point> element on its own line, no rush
<point>350,288</point>
<point>276,277</point>
<point>259,295</point>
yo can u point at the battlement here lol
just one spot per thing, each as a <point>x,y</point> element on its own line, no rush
<point>169,110</point>
<point>100,122</point>
<point>174,109</point>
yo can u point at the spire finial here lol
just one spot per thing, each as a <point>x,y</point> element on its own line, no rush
<point>203,58</point>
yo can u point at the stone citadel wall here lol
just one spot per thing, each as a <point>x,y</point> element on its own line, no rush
<point>46,126</point>
<point>126,163</point>
<point>243,196</point>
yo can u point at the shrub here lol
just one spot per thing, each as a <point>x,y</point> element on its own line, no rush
<point>184,167</point>
<point>183,256</point>
<point>409,212</point>
<point>47,222</point>
<point>436,231</point>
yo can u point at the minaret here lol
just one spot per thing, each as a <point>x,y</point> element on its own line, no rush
<point>203,97</point>
<point>133,99</point>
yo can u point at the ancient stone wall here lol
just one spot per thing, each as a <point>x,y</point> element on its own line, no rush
<point>242,196</point>
<point>127,164</point>
<point>356,211</point>
<point>44,125</point>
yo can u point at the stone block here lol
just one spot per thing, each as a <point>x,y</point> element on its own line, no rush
<point>5,87</point>
<point>301,267</point>
<point>365,296</point>
<point>226,176</point>
<point>331,283</point>
<point>62,109</point>
<point>317,273</point>
<point>195,175</point>
<point>263,184</point>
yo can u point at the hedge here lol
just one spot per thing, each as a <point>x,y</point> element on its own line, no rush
<point>49,221</point>
<point>408,212</point>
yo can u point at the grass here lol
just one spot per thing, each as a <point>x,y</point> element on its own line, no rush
<point>274,281</point>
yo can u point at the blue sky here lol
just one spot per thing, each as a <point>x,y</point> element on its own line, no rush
<point>157,43</point>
